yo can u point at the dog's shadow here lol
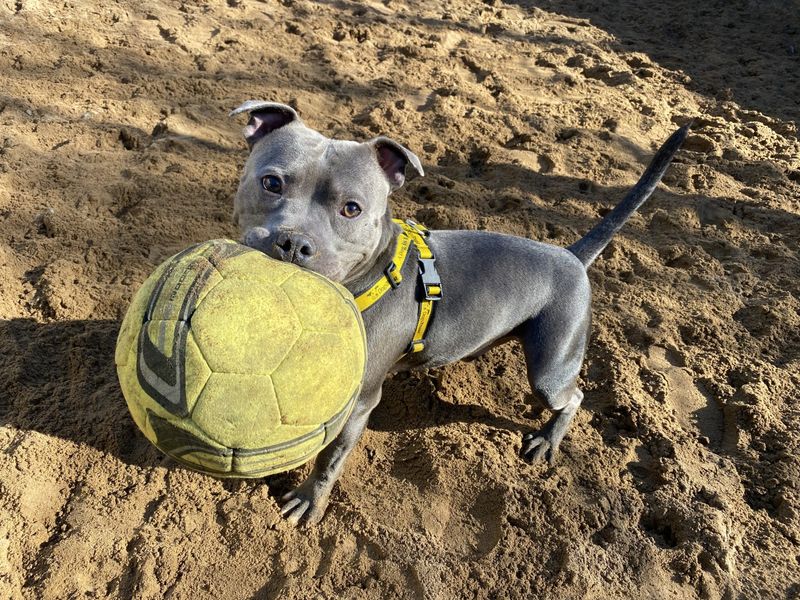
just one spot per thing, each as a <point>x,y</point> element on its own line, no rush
<point>410,401</point>
<point>59,379</point>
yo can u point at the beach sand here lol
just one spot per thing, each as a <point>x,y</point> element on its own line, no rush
<point>679,477</point>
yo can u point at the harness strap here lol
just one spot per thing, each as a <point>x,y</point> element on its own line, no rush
<point>391,274</point>
<point>412,233</point>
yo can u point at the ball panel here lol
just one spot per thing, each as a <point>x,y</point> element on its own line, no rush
<point>182,440</point>
<point>262,464</point>
<point>183,288</point>
<point>245,327</point>
<point>140,402</point>
<point>321,306</point>
<point>167,363</point>
<point>238,410</point>
<point>211,464</point>
<point>197,372</point>
<point>317,378</point>
<point>287,434</point>
<point>163,333</point>
<point>253,263</point>
<point>129,330</point>
<point>135,397</point>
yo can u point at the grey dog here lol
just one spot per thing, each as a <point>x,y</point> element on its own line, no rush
<point>323,204</point>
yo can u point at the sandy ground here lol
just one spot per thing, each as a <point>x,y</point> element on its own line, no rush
<point>679,477</point>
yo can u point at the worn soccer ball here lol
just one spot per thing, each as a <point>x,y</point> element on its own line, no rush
<point>239,365</point>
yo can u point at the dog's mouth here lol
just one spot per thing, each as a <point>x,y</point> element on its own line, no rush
<point>348,266</point>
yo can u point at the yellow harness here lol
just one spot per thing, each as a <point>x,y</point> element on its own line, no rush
<point>413,233</point>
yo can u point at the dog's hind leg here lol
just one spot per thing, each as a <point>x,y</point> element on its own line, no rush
<point>555,342</point>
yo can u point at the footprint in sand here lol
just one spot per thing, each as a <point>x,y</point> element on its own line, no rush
<point>696,410</point>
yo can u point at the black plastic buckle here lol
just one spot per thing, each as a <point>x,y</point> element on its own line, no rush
<point>393,275</point>
<point>430,279</point>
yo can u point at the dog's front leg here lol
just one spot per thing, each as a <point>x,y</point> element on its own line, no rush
<point>307,502</point>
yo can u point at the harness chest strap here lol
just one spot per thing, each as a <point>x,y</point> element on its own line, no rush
<point>412,233</point>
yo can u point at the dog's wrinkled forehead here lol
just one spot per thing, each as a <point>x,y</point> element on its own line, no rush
<point>289,146</point>
<point>307,156</point>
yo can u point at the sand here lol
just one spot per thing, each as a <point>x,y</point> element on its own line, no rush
<point>679,477</point>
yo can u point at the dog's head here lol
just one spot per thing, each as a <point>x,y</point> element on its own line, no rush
<point>318,202</point>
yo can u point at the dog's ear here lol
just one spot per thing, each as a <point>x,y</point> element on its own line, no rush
<point>393,158</point>
<point>265,117</point>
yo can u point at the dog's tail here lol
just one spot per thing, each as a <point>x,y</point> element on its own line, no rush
<point>591,245</point>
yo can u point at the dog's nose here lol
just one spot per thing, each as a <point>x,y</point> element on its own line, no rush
<point>294,247</point>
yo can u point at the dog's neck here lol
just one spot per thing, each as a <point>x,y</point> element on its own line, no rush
<point>366,274</point>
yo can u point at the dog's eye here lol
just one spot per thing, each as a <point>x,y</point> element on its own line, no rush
<point>272,184</point>
<point>351,210</point>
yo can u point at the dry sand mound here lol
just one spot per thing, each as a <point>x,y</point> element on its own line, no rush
<point>679,477</point>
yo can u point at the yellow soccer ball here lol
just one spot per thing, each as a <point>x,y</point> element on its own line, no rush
<point>239,365</point>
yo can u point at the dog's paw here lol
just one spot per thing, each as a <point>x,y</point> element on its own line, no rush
<point>306,504</point>
<point>536,446</point>
<point>545,443</point>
